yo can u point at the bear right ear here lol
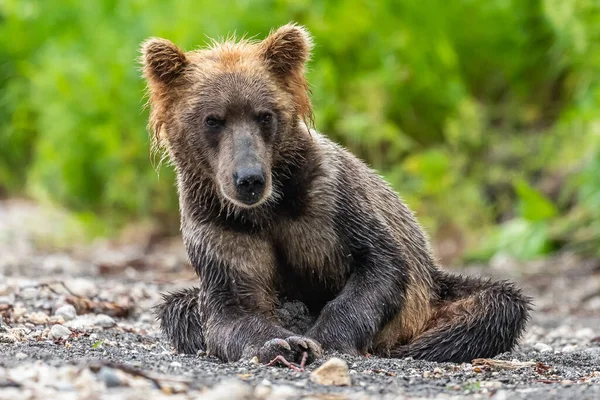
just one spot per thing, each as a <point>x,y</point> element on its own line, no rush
<point>162,61</point>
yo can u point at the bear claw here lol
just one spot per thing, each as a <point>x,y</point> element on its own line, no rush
<point>294,352</point>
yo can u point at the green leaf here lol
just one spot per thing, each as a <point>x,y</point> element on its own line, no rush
<point>533,206</point>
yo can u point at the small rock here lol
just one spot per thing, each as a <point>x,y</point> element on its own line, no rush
<point>109,377</point>
<point>88,321</point>
<point>302,382</point>
<point>20,356</point>
<point>82,287</point>
<point>176,364</point>
<point>262,391</point>
<point>59,332</point>
<point>501,395</point>
<point>104,321</point>
<point>542,347</point>
<point>67,311</point>
<point>232,389</point>
<point>585,333</point>
<point>63,386</point>
<point>569,348</point>
<point>333,372</point>
<point>38,318</point>
<point>282,392</point>
<point>29,293</point>
<point>18,311</point>
<point>566,382</point>
<point>56,319</point>
<point>7,338</point>
<point>491,384</point>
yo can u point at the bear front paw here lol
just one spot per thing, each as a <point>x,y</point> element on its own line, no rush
<point>294,349</point>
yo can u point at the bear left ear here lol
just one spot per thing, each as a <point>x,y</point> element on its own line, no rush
<point>287,49</point>
<point>163,62</point>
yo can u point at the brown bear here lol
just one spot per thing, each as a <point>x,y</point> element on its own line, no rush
<point>273,211</point>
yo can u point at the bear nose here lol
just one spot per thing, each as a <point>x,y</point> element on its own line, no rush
<point>250,184</point>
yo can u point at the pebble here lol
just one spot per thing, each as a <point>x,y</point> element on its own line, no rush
<point>569,348</point>
<point>104,321</point>
<point>333,372</point>
<point>82,287</point>
<point>502,395</point>
<point>491,384</point>
<point>585,333</point>
<point>59,332</point>
<point>262,391</point>
<point>282,392</point>
<point>20,356</point>
<point>38,318</point>
<point>67,311</point>
<point>109,377</point>
<point>7,338</point>
<point>176,364</point>
<point>29,293</point>
<point>231,389</point>
<point>90,321</point>
<point>542,347</point>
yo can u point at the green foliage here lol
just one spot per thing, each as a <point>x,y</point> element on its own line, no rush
<point>526,236</point>
<point>467,107</point>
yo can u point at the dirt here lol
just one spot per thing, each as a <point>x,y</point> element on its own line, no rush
<point>78,323</point>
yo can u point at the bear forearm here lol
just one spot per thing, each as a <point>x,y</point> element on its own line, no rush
<point>350,322</point>
<point>241,337</point>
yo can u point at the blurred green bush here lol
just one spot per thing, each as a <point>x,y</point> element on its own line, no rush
<point>482,114</point>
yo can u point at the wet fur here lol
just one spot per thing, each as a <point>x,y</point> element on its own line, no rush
<point>332,235</point>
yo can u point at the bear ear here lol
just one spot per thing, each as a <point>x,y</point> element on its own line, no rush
<point>162,61</point>
<point>287,49</point>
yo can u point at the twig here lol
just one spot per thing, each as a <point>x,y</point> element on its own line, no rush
<point>135,372</point>
<point>549,381</point>
<point>282,360</point>
<point>304,358</point>
<point>86,305</point>
<point>48,285</point>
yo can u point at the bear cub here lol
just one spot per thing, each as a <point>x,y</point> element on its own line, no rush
<point>274,213</point>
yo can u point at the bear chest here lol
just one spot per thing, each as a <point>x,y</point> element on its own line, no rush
<point>309,249</point>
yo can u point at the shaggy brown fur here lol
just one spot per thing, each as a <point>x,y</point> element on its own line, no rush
<point>272,211</point>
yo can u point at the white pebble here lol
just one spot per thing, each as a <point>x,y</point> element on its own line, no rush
<point>104,321</point>
<point>88,321</point>
<point>59,332</point>
<point>82,287</point>
<point>569,348</point>
<point>231,389</point>
<point>542,347</point>
<point>282,392</point>
<point>67,311</point>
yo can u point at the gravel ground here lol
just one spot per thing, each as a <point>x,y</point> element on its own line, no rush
<point>77,323</point>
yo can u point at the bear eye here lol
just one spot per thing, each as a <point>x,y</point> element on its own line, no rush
<point>265,118</point>
<point>212,121</point>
